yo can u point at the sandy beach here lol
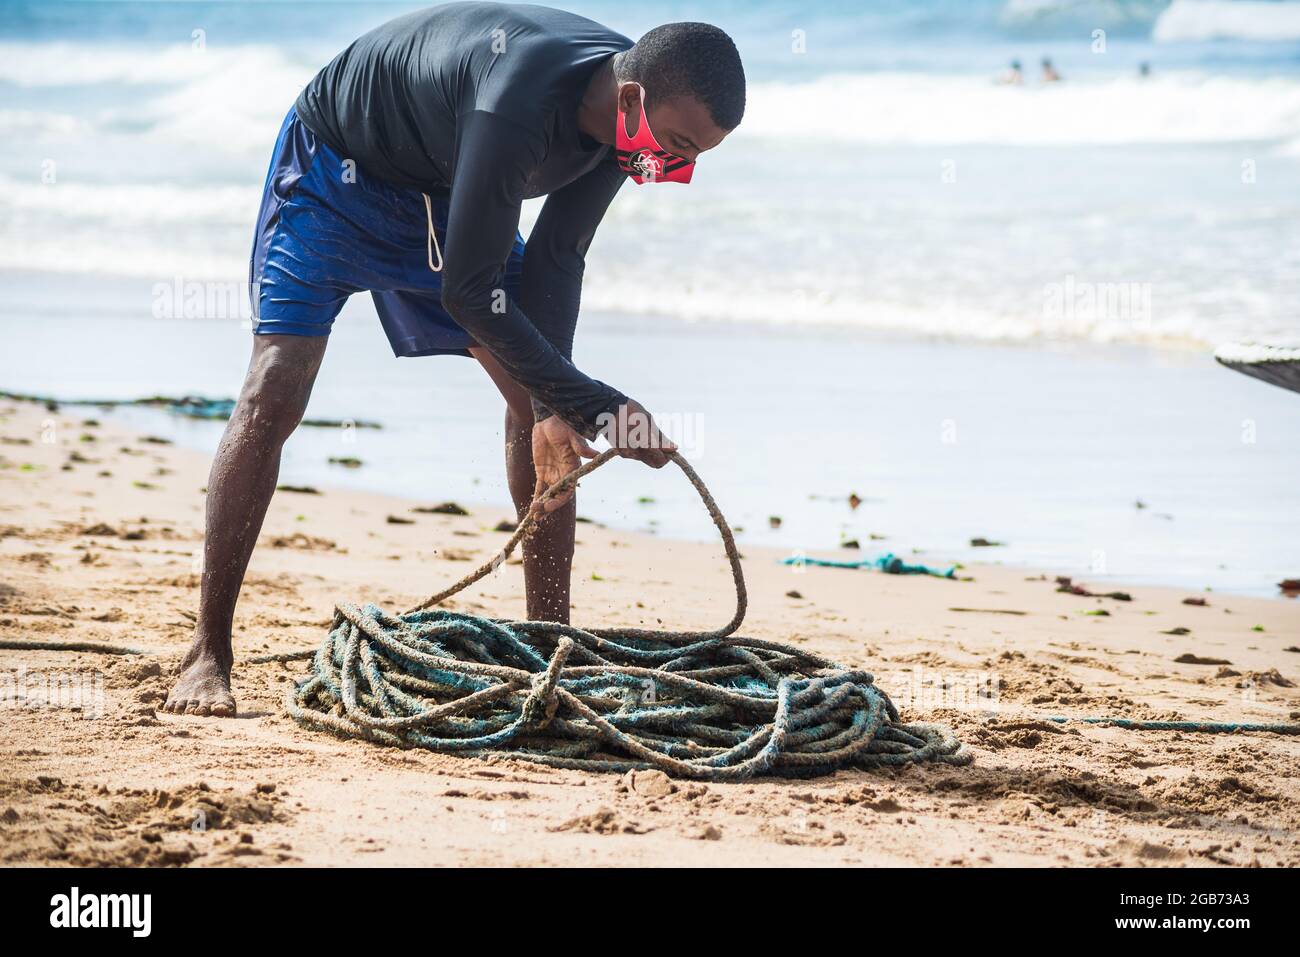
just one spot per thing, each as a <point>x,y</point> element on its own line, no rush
<point>98,542</point>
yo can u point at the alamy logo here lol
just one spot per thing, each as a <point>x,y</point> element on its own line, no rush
<point>102,910</point>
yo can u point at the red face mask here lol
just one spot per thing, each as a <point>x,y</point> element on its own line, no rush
<point>643,159</point>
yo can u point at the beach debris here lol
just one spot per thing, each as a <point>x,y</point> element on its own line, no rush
<point>1066,584</point>
<point>774,521</point>
<point>1098,612</point>
<point>1271,677</point>
<point>1191,659</point>
<point>888,563</point>
<point>1290,586</point>
<point>151,439</point>
<point>337,424</point>
<point>446,508</point>
<point>703,832</point>
<point>854,500</point>
<point>850,543</point>
<point>601,821</point>
<point>505,525</point>
<point>651,783</point>
<point>347,461</point>
<point>1198,602</point>
<point>993,611</point>
<point>102,529</point>
<point>1139,504</point>
<point>795,593</point>
<point>1177,631</point>
<point>190,406</point>
<point>303,542</point>
<point>1258,628</point>
<point>399,520</point>
<point>986,543</point>
<point>299,489</point>
<point>645,500</point>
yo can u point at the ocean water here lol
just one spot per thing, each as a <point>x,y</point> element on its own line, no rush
<point>892,241</point>
<point>881,179</point>
<point>1047,450</point>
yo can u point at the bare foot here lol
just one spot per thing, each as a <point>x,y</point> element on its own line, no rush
<point>202,688</point>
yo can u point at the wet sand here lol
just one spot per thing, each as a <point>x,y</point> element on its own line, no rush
<point>99,535</point>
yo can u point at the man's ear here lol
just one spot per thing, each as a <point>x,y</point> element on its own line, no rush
<point>629,102</point>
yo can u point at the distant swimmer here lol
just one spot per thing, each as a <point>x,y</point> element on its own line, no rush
<point>1049,72</point>
<point>1014,75</point>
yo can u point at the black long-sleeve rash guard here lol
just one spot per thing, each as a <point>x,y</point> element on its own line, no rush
<point>480,100</point>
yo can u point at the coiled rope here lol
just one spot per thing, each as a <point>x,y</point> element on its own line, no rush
<point>708,705</point>
<point>699,704</point>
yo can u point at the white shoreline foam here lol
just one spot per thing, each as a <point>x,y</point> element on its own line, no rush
<point>1199,20</point>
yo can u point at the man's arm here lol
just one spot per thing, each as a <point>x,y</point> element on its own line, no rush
<point>493,163</point>
<point>551,290</point>
<point>556,254</point>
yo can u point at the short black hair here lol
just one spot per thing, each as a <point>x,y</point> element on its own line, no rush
<point>689,59</point>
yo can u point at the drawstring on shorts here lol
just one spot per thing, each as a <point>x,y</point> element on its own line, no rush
<point>431,243</point>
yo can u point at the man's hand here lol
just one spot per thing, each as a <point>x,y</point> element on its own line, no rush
<point>634,433</point>
<point>557,451</point>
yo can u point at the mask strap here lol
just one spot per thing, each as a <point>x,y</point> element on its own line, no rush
<point>431,242</point>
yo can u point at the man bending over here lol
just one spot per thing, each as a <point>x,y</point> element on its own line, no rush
<point>400,171</point>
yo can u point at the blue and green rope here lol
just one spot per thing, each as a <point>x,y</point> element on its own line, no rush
<point>707,705</point>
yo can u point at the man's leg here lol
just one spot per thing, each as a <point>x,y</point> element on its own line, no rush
<point>240,486</point>
<point>548,552</point>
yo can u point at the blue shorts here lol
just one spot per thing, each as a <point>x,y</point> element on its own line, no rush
<point>326,230</point>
